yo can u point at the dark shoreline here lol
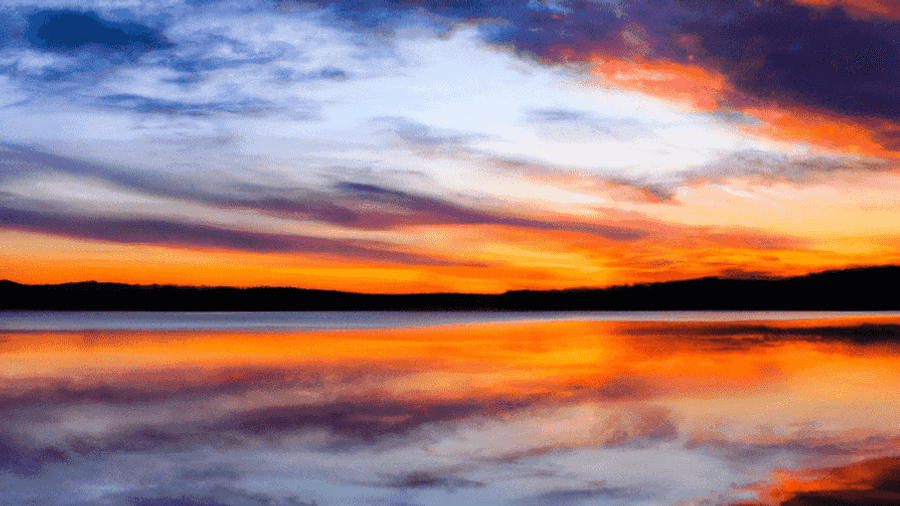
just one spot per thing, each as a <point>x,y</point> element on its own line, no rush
<point>862,289</point>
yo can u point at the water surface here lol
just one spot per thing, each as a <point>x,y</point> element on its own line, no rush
<point>460,408</point>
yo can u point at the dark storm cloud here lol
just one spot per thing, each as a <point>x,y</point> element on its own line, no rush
<point>163,232</point>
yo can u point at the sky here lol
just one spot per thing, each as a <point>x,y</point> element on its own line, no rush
<point>221,410</point>
<point>402,146</point>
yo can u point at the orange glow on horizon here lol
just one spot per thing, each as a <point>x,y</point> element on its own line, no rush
<point>502,258</point>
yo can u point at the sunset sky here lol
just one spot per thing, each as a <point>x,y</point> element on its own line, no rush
<point>421,146</point>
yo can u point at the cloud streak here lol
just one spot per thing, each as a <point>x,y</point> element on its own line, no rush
<point>347,204</point>
<point>173,233</point>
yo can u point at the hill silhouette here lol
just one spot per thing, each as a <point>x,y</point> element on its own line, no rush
<point>868,288</point>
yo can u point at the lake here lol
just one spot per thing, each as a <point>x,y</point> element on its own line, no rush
<point>642,408</point>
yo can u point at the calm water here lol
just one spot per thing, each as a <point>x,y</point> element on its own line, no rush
<point>449,408</point>
<point>134,320</point>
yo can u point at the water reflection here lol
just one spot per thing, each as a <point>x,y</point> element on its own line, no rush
<point>527,412</point>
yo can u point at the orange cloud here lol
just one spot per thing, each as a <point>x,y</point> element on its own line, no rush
<point>859,8</point>
<point>829,131</point>
<point>705,89</point>
<point>870,482</point>
<point>701,89</point>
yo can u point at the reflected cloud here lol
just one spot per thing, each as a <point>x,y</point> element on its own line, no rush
<point>565,412</point>
<point>750,336</point>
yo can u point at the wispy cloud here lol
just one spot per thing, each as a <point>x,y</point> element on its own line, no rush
<point>149,105</point>
<point>197,235</point>
<point>348,204</point>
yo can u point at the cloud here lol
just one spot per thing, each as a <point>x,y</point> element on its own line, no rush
<point>428,210</point>
<point>767,449</point>
<point>360,420</point>
<point>180,386</point>
<point>349,204</point>
<point>774,167</point>
<point>792,54</point>
<point>231,420</point>
<point>23,460</point>
<point>609,186</point>
<point>149,105</point>
<point>568,125</point>
<point>573,496</point>
<point>217,495</point>
<point>636,428</point>
<point>159,58</point>
<point>64,30</point>
<point>182,234</point>
<point>424,138</point>
<point>620,387</point>
<point>766,51</point>
<point>797,54</point>
<point>427,480</point>
<point>868,483</point>
<point>739,336</point>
